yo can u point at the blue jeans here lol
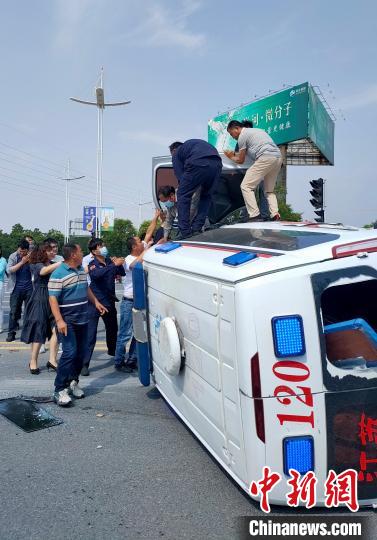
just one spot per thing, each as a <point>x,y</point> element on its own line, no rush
<point>74,346</point>
<point>125,333</point>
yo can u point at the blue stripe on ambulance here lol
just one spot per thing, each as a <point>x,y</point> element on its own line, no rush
<point>140,304</point>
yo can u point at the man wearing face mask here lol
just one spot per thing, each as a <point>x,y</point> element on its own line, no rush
<point>102,272</point>
<point>168,200</point>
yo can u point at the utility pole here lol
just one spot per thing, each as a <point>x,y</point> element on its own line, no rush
<point>100,104</point>
<point>140,204</point>
<point>67,181</point>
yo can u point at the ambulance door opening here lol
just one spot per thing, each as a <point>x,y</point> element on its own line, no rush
<point>349,317</point>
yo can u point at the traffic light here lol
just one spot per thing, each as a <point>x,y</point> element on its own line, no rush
<point>317,199</point>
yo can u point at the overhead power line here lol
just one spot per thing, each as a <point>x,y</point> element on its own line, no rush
<point>58,168</point>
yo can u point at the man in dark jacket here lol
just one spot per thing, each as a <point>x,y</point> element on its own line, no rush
<point>102,272</point>
<point>20,285</point>
<point>196,164</point>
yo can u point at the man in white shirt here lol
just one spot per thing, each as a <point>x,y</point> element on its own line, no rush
<point>85,263</point>
<point>137,249</point>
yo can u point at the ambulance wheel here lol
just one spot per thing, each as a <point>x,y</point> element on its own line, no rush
<point>170,347</point>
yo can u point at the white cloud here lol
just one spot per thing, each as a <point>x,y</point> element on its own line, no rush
<point>363,98</point>
<point>162,26</point>
<point>150,23</point>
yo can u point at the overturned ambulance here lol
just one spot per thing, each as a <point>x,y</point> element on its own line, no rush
<point>263,338</point>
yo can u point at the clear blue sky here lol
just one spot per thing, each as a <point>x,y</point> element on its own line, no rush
<point>180,62</point>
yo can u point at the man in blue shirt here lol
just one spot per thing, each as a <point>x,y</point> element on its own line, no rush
<point>102,272</point>
<point>196,164</point>
<point>69,294</point>
<point>20,285</point>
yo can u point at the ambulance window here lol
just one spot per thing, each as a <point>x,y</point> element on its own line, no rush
<point>350,324</point>
<point>165,177</point>
<point>282,240</point>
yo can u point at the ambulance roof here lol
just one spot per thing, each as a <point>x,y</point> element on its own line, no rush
<point>278,245</point>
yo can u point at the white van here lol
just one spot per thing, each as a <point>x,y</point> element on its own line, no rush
<point>273,361</point>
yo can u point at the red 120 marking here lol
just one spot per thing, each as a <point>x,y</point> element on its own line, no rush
<point>297,372</point>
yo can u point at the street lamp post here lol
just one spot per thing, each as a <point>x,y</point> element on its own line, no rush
<point>140,204</point>
<point>100,104</point>
<point>66,218</point>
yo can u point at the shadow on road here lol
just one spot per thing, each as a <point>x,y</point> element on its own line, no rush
<point>98,384</point>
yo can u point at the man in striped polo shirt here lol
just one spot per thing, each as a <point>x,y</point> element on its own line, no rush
<point>69,294</point>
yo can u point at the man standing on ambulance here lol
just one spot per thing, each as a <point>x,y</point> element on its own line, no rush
<point>267,164</point>
<point>196,164</point>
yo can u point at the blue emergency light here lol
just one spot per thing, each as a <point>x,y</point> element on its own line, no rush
<point>239,258</point>
<point>165,248</point>
<point>298,454</point>
<point>288,334</point>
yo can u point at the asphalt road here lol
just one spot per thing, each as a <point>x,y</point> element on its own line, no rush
<point>120,466</point>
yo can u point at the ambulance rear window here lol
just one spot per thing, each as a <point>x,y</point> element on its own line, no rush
<point>282,240</point>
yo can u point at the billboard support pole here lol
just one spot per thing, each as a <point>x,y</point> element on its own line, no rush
<point>282,178</point>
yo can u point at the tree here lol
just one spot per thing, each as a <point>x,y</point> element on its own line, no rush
<point>17,230</point>
<point>372,225</point>
<point>9,241</point>
<point>287,214</point>
<point>37,234</point>
<point>116,240</point>
<point>143,228</point>
<point>59,236</point>
<point>285,210</point>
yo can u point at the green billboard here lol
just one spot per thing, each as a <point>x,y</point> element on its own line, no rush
<point>295,117</point>
<point>320,127</point>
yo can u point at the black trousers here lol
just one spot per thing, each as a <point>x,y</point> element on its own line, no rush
<point>205,176</point>
<point>111,326</point>
<point>17,298</point>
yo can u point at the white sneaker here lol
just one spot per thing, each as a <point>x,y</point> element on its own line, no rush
<point>75,390</point>
<point>62,398</point>
<point>60,350</point>
<point>42,349</point>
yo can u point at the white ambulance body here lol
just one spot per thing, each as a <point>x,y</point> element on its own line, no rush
<point>264,361</point>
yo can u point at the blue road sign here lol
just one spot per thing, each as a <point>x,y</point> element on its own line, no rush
<point>89,219</point>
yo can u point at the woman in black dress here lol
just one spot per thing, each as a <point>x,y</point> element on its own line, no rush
<point>38,319</point>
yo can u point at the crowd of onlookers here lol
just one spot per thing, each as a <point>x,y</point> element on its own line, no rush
<point>62,298</point>
<point>65,295</point>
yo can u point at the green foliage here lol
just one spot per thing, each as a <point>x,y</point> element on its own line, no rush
<point>116,240</point>
<point>372,225</point>
<point>9,241</point>
<point>285,210</point>
<point>59,236</point>
<point>287,214</point>
<point>143,228</point>
<point>82,241</point>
